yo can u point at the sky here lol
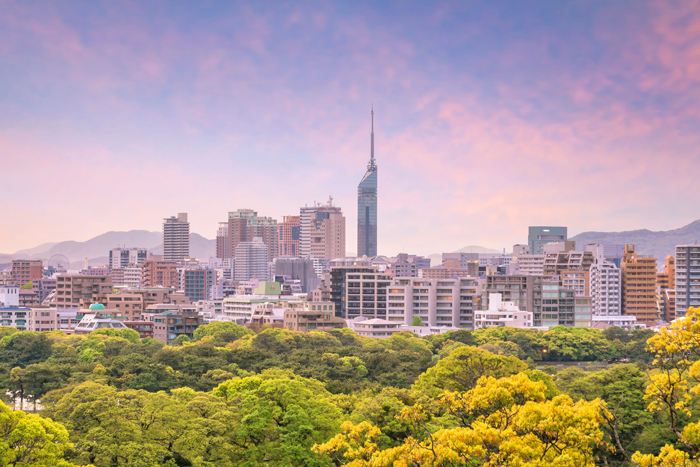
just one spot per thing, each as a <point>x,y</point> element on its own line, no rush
<point>489,116</point>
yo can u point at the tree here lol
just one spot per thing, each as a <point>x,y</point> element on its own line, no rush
<point>278,418</point>
<point>24,348</point>
<point>28,286</point>
<point>417,321</point>
<point>230,331</point>
<point>30,440</point>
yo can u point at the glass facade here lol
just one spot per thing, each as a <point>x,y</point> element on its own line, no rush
<point>367,214</point>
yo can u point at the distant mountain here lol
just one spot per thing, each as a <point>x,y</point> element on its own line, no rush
<point>436,258</point>
<point>96,250</point>
<point>658,244</point>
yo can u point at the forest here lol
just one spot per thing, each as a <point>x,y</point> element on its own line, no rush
<point>273,397</point>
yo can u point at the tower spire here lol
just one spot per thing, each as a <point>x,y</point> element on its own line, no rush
<point>372,165</point>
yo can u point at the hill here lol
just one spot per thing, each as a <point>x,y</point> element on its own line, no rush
<point>647,242</point>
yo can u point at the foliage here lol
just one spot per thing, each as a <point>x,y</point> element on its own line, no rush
<point>222,331</point>
<point>27,286</point>
<point>417,321</point>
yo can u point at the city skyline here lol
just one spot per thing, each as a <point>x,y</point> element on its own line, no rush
<point>492,117</point>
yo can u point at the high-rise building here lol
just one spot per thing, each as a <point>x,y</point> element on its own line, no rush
<point>251,260</point>
<point>244,225</point>
<point>289,236</point>
<point>539,236</point>
<point>123,257</point>
<point>176,238</point>
<point>606,289</point>
<point>367,207</point>
<point>222,243</point>
<point>322,231</point>
<point>639,286</point>
<point>157,272</point>
<point>24,271</point>
<point>687,278</point>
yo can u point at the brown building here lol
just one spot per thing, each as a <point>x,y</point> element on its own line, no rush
<point>157,272</point>
<point>447,272</point>
<point>289,234</point>
<point>74,291</point>
<point>24,271</point>
<point>244,225</point>
<point>577,280</point>
<point>564,263</point>
<point>666,284</point>
<point>129,305</point>
<point>312,316</point>
<point>639,286</point>
<point>222,242</point>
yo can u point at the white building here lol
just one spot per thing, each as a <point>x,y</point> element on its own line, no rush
<point>9,296</point>
<point>528,265</point>
<point>94,321</point>
<point>606,290</point>
<point>376,328</point>
<point>437,302</point>
<point>687,278</point>
<point>626,322</point>
<point>251,260</point>
<point>241,310</point>
<point>124,257</point>
<point>176,238</point>
<point>502,313</point>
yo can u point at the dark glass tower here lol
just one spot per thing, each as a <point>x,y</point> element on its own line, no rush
<point>367,207</point>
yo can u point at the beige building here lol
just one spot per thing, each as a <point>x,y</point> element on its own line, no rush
<point>449,270</point>
<point>157,272</point>
<point>322,231</point>
<point>74,291</point>
<point>639,286</point>
<point>312,316</point>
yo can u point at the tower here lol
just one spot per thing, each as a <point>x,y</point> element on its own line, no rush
<point>367,206</point>
<point>176,238</point>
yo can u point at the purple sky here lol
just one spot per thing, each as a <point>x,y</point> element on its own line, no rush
<point>489,116</point>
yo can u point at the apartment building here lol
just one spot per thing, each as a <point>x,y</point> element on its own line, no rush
<point>606,289</point>
<point>409,265</point>
<point>438,302</point>
<point>500,314</point>
<point>74,291</point>
<point>576,280</point>
<point>43,287</point>
<point>251,260</point>
<point>322,231</point>
<point>311,316</point>
<point>171,321</point>
<point>24,271</point>
<point>156,271</point>
<point>665,282</point>
<point>525,292</point>
<point>244,225</point>
<point>129,305</point>
<point>639,286</point>
<point>123,257</point>
<point>687,278</point>
<point>198,284</point>
<point>176,238</point>
<point>359,291</point>
<point>450,269</point>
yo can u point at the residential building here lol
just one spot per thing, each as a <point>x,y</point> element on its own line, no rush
<point>223,244</point>
<point>577,280</point>
<point>322,231</point>
<point>606,289</point>
<point>240,309</point>
<point>528,265</point>
<point>668,305</point>
<point>311,316</point>
<point>639,286</point>
<point>251,260</point>
<point>28,298</point>
<point>502,313</point>
<point>437,302</point>
<point>43,287</point>
<point>359,291</point>
<point>43,319</point>
<point>29,270</point>
<point>665,281</point>
<point>524,291</point>
<point>171,321</point>
<point>449,271</point>
<point>124,257</point>
<point>156,271</point>
<point>377,328</point>
<point>9,296</point>
<point>367,206</point>
<point>16,317</point>
<point>539,236</point>
<point>622,321</point>
<point>409,265</point>
<point>94,319</point>
<point>198,284</point>
<point>91,271</point>
<point>289,231</point>
<point>144,328</point>
<point>687,278</point>
<point>566,259</point>
<point>176,238</point>
<point>74,291</point>
<point>129,305</point>
<point>244,225</point>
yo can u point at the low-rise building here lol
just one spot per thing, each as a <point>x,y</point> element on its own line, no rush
<point>171,320</point>
<point>312,316</point>
<point>502,313</point>
<point>144,328</point>
<point>94,319</point>
<point>626,322</point>
<point>16,317</point>
<point>376,328</point>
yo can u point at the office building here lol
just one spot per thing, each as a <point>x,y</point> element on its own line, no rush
<point>322,231</point>
<point>176,238</point>
<point>606,289</point>
<point>301,269</point>
<point>367,207</point>
<point>538,237</point>
<point>687,272</point>
<point>198,284</point>
<point>125,257</point>
<point>437,302</point>
<point>24,271</point>
<point>289,231</point>
<point>639,286</point>
<point>251,260</point>
<point>156,271</point>
<point>244,225</point>
<point>359,291</point>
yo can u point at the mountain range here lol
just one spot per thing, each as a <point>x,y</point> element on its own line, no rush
<point>96,250</point>
<point>658,244</point>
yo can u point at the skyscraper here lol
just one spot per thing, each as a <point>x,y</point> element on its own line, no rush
<point>687,280</point>
<point>367,206</point>
<point>322,231</point>
<point>176,237</point>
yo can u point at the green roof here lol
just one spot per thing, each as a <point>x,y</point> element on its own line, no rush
<point>97,306</point>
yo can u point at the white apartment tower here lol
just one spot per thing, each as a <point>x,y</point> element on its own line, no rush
<point>687,278</point>
<point>176,238</point>
<point>251,260</point>
<point>606,289</point>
